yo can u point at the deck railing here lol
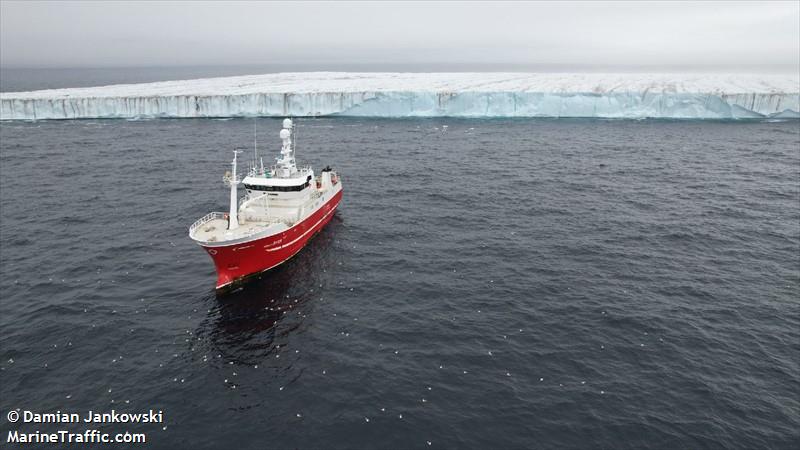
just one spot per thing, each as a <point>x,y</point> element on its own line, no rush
<point>205,219</point>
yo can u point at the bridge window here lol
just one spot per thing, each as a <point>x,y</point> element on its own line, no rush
<point>255,187</point>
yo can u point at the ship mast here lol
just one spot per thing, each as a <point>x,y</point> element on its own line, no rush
<point>233,180</point>
<point>286,163</point>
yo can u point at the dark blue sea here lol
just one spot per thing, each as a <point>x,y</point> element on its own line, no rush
<point>501,284</point>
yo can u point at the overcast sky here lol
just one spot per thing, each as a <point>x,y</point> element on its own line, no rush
<point>706,35</point>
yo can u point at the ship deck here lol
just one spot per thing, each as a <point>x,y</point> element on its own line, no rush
<point>255,220</point>
<point>216,230</point>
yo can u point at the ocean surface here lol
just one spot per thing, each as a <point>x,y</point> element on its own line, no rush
<point>500,284</point>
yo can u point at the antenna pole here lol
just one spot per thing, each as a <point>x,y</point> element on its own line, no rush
<point>294,143</point>
<point>255,143</point>
<point>233,215</point>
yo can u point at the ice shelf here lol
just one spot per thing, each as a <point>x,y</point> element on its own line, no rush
<point>608,95</point>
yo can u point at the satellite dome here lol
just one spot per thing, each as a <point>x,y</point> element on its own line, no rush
<point>287,123</point>
<point>285,133</point>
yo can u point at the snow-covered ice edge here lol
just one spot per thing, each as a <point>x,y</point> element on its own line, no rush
<point>693,96</point>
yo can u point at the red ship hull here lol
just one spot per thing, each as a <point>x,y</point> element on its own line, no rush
<point>237,261</point>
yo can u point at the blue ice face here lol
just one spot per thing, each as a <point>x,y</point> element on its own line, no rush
<point>423,95</point>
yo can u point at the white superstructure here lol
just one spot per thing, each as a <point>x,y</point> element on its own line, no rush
<point>275,198</point>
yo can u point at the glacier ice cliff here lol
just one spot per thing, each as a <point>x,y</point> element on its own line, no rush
<point>703,96</point>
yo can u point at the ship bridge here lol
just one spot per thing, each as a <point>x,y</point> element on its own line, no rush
<point>298,181</point>
<point>284,176</point>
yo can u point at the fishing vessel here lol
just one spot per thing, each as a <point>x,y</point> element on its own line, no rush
<point>282,208</point>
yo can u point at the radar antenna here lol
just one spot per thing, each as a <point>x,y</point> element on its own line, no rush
<point>286,163</point>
